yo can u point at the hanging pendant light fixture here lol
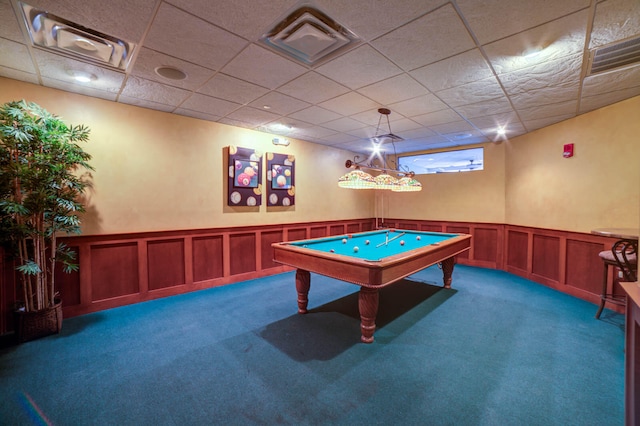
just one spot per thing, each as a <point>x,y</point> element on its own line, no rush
<point>358,179</point>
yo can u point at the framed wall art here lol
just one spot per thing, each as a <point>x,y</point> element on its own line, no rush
<point>245,177</point>
<point>281,172</point>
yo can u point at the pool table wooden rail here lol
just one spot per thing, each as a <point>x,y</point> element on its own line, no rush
<point>367,273</point>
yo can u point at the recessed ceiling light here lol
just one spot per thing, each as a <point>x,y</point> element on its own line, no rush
<point>279,127</point>
<point>501,131</point>
<point>82,76</point>
<point>171,73</point>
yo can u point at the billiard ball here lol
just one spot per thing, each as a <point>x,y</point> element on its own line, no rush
<point>418,238</point>
<point>401,242</point>
<point>367,242</point>
<point>244,179</point>
<point>355,249</point>
<point>287,172</point>
<point>332,251</point>
<point>281,180</point>
<point>250,171</point>
<point>344,241</point>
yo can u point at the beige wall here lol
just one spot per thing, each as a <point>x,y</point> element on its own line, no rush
<point>528,182</point>
<point>598,187</point>
<point>474,197</point>
<point>157,171</point>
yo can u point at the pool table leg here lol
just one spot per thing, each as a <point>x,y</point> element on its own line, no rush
<point>303,282</point>
<point>368,305</point>
<point>447,271</point>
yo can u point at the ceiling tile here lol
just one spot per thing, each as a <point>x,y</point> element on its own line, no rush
<point>246,18</point>
<point>455,127</point>
<point>344,124</point>
<point>315,115</point>
<point>85,90</point>
<point>449,50</point>
<point>147,90</point>
<point>197,41</point>
<point>60,68</point>
<point>394,89</point>
<point>148,60</point>
<point>560,38</point>
<point>143,103</point>
<point>197,114</point>
<point>418,106</point>
<point>313,87</point>
<point>615,20</point>
<point>439,117</point>
<point>15,55</point>
<point>349,104</point>
<point>590,103</point>
<point>496,120</point>
<point>623,78</point>
<point>232,89</point>
<point>565,91</point>
<point>279,104</point>
<point>484,108</point>
<point>491,20</point>
<point>410,47</point>
<point>380,17</point>
<point>18,75</point>
<point>477,91</point>
<point>209,105</point>
<point>260,66</point>
<point>459,69</point>
<point>252,115</point>
<point>359,67</point>
<point>560,72</point>
<point>10,29</point>
<point>544,122</point>
<point>548,110</point>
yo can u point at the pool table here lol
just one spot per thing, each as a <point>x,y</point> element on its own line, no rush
<point>371,260</point>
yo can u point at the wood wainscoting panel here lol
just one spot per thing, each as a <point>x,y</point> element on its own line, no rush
<point>242,253</point>
<point>584,267</point>
<point>114,270</point>
<point>410,226</point>
<point>165,263</point>
<point>546,257</point>
<point>69,284</point>
<point>318,232</point>
<point>295,234</point>
<point>336,230</point>
<point>429,227</point>
<point>208,258</point>
<point>485,244</point>
<point>266,239</point>
<point>353,228</point>
<point>517,250</point>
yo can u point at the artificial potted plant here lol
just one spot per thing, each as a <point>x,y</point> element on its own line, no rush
<point>43,173</point>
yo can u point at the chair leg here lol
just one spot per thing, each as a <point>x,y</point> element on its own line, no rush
<point>604,290</point>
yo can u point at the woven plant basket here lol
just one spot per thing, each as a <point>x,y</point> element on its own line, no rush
<point>36,324</point>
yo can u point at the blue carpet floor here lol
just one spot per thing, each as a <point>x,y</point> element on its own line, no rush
<point>494,350</point>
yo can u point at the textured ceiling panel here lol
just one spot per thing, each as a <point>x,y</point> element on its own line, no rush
<point>451,72</point>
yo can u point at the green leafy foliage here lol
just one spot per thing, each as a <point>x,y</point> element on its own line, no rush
<point>41,182</point>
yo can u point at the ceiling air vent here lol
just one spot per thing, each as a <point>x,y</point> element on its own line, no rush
<point>620,54</point>
<point>309,36</point>
<point>52,33</point>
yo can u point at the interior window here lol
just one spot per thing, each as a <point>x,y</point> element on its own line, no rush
<point>462,160</point>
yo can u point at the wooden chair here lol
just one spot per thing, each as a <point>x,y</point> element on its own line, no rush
<point>624,256</point>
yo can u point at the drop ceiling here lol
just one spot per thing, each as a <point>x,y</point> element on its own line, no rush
<point>451,72</point>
